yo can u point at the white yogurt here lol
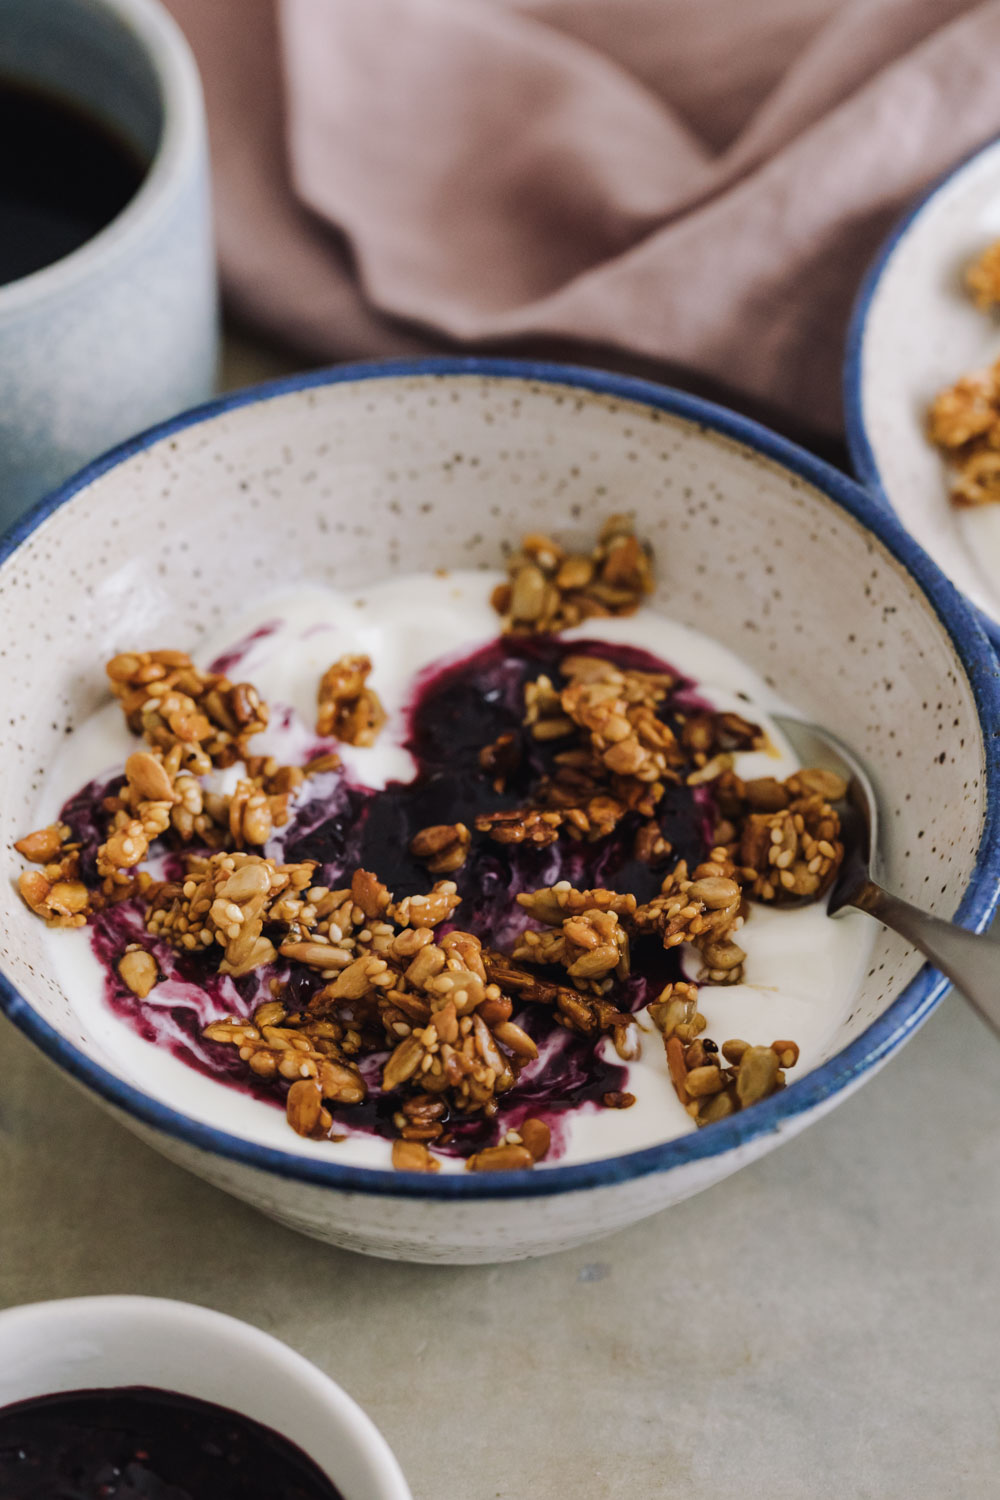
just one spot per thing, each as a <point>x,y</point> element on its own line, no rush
<point>802,969</point>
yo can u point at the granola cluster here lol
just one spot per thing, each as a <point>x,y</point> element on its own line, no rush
<point>55,892</point>
<point>618,758</point>
<point>357,990</point>
<point>347,709</point>
<point>964,420</point>
<point>588,933</point>
<point>712,1081</point>
<point>783,835</point>
<point>983,278</point>
<point>391,980</point>
<point>621,755</point>
<point>193,722</point>
<point>550,589</point>
<point>171,702</point>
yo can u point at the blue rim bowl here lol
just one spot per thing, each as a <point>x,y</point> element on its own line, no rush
<point>862,454</point>
<point>900,1019</point>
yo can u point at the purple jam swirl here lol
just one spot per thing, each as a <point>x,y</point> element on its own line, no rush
<point>455,710</point>
<point>134,1443</point>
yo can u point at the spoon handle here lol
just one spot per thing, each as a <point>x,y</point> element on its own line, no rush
<point>971,960</point>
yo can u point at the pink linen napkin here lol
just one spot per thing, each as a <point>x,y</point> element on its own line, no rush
<point>691,184</point>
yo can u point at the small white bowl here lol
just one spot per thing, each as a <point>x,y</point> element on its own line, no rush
<point>92,1343</point>
<point>914,331</point>
<point>354,475</point>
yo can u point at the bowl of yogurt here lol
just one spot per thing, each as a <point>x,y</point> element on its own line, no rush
<point>349,963</point>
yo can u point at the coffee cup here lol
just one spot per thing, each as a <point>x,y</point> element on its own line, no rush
<point>120,331</point>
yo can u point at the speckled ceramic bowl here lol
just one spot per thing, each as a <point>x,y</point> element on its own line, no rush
<point>352,475</point>
<point>915,330</point>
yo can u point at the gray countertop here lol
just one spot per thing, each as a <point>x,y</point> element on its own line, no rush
<point>825,1324</point>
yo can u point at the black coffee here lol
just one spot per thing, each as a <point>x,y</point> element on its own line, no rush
<point>63,177</point>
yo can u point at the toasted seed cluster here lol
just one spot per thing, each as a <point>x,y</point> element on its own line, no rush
<point>578,1010</point>
<point>964,420</point>
<point>154,790</point>
<point>453,1046</point>
<point>784,836</point>
<point>705,912</point>
<point>170,701</point>
<point>964,423</point>
<point>983,278</point>
<point>360,979</point>
<point>55,892</point>
<point>193,721</point>
<point>619,760</point>
<point>443,847</point>
<point>311,1054</point>
<point>584,935</point>
<point>713,1082</point>
<point>346,708</point>
<point>616,755</point>
<point>226,899</point>
<point>704,909</point>
<point>550,589</point>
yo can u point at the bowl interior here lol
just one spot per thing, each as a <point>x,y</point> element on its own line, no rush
<point>918,333</point>
<point>351,480</point>
<point>91,1343</point>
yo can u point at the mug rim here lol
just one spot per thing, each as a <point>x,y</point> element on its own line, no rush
<point>180,143</point>
<point>153,1317</point>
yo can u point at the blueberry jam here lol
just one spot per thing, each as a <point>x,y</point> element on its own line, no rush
<point>456,709</point>
<point>133,1443</point>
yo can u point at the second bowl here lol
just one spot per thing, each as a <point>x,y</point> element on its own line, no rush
<point>914,331</point>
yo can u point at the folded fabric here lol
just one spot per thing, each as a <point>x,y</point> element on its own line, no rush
<point>695,184</point>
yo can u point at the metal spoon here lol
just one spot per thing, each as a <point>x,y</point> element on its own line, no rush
<point>970,960</point>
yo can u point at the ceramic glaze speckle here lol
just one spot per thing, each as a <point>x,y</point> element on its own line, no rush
<point>349,477</point>
<point>914,331</point>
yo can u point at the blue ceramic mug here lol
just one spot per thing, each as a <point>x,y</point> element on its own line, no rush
<point>122,331</point>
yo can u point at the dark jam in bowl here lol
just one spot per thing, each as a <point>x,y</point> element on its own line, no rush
<point>134,1443</point>
<point>457,708</point>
